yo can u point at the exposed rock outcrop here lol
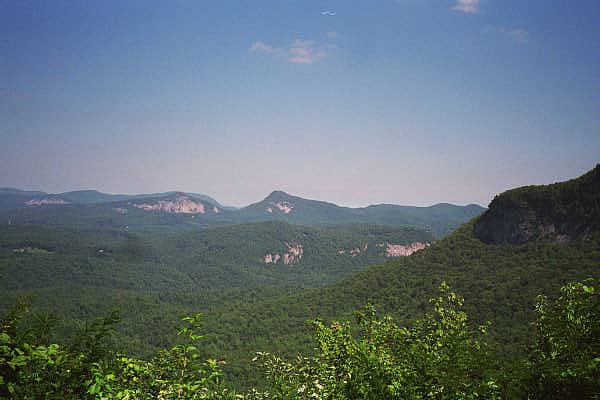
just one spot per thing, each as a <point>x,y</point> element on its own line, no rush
<point>293,255</point>
<point>53,201</point>
<point>271,258</point>
<point>179,205</point>
<point>400,250</point>
<point>284,206</point>
<point>31,250</point>
<point>559,213</point>
<point>391,249</point>
<point>354,252</point>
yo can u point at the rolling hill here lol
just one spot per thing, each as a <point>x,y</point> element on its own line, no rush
<point>237,256</point>
<point>79,274</point>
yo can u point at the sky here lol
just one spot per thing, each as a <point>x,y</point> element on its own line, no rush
<point>355,102</point>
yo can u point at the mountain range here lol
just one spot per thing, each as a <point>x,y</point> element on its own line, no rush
<point>260,272</point>
<point>179,210</point>
<point>500,279</point>
<point>21,198</point>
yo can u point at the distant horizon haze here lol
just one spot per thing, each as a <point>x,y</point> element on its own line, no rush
<point>340,201</point>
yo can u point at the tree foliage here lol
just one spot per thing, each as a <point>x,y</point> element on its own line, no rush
<point>440,356</point>
<point>566,361</point>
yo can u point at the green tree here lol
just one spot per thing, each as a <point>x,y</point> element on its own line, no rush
<point>31,369</point>
<point>180,372</point>
<point>566,361</point>
<point>440,357</point>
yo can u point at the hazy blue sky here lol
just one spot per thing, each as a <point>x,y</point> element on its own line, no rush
<point>355,102</point>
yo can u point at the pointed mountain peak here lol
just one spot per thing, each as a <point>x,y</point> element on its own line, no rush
<point>279,201</point>
<point>278,195</point>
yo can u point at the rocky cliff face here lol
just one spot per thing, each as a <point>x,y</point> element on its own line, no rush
<point>560,212</point>
<point>293,255</point>
<point>180,204</point>
<point>54,201</point>
<point>399,250</point>
<point>387,249</point>
<point>283,206</point>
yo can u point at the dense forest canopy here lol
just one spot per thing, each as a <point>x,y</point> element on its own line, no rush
<point>441,356</point>
<point>255,310</point>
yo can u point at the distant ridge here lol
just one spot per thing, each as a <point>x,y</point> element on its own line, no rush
<point>439,219</point>
<point>175,209</point>
<point>92,196</point>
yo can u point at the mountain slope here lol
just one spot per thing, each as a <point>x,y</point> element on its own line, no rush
<point>440,219</point>
<point>165,212</point>
<point>19,192</point>
<point>500,283</point>
<point>79,274</point>
<point>91,197</point>
<point>22,198</point>
<point>213,258</point>
<point>11,198</point>
<point>560,212</point>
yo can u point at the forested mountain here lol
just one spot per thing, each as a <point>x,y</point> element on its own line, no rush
<point>19,192</point>
<point>177,210</point>
<point>500,282</point>
<point>244,255</point>
<point>155,277</point>
<point>561,212</point>
<point>253,303</point>
<point>438,219</point>
<point>12,199</point>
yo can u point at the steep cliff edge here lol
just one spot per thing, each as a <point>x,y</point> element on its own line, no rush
<point>560,212</point>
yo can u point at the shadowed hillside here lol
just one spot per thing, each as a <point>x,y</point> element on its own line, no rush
<point>560,212</point>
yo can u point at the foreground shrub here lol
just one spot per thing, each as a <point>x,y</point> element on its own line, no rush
<point>566,360</point>
<point>440,357</point>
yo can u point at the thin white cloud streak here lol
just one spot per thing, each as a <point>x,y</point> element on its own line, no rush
<point>304,52</point>
<point>261,47</point>
<point>467,6</point>
<point>299,52</point>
